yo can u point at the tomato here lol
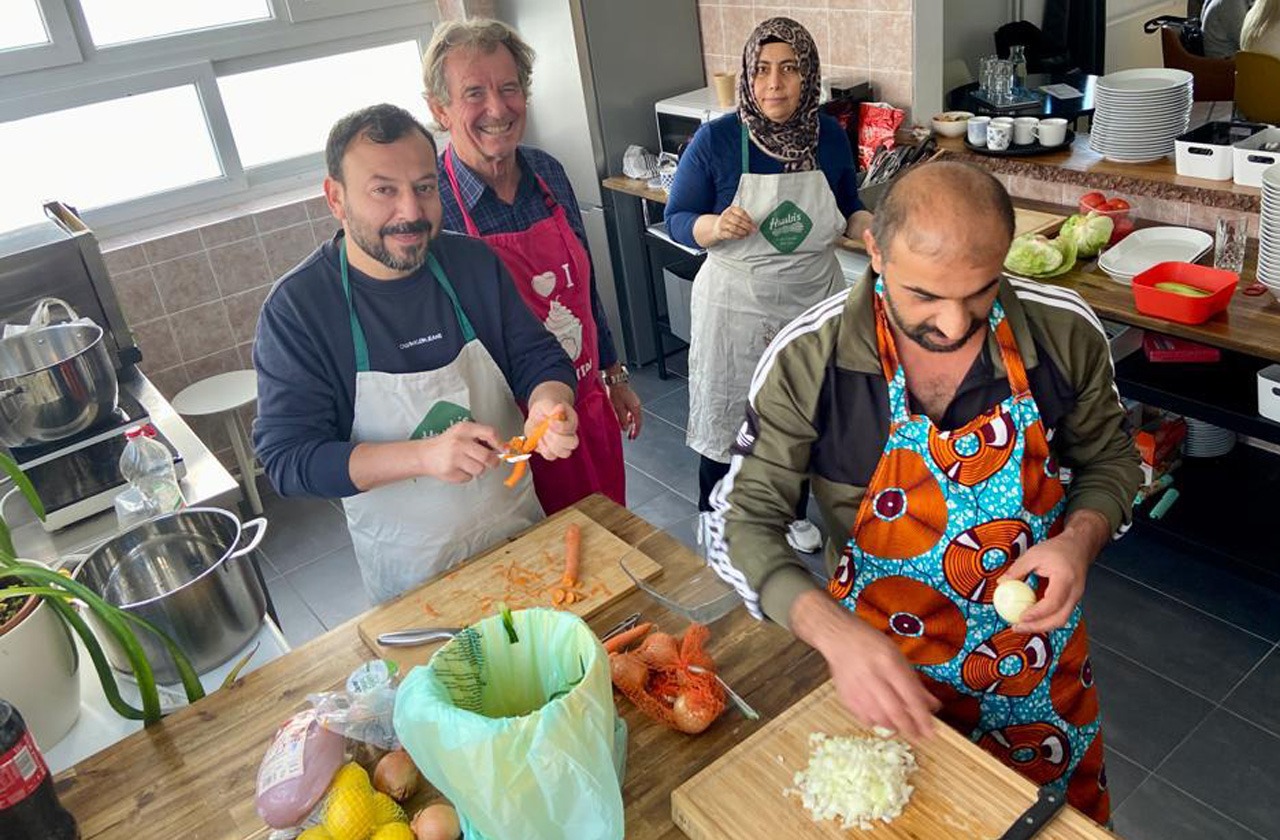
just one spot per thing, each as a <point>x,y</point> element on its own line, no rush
<point>1093,200</point>
<point>1117,204</point>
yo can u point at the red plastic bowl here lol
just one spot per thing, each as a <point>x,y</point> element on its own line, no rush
<point>1184,309</point>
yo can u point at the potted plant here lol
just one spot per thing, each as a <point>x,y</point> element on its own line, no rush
<point>31,591</point>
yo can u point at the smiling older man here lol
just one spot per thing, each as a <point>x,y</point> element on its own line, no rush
<point>519,200</point>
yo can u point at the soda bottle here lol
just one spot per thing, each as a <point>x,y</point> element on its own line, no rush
<point>148,467</point>
<point>29,806</point>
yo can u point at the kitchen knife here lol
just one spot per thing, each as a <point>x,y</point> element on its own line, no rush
<point>1048,803</point>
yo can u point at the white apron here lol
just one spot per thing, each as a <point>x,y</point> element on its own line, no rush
<point>407,532</point>
<point>748,289</point>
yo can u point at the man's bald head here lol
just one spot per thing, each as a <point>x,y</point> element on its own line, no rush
<point>945,210</point>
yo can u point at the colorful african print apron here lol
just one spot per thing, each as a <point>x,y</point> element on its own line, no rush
<point>944,516</point>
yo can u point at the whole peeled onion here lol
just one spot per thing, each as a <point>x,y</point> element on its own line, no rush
<point>437,822</point>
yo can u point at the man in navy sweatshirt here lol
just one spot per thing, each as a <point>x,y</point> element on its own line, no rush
<point>391,362</point>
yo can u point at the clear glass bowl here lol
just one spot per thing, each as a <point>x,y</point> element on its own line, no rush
<point>687,585</point>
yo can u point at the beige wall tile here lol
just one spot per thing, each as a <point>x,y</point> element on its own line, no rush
<point>202,330</point>
<point>712,29</point>
<point>1020,186</point>
<point>1160,210</point>
<point>795,4</point>
<point>245,351</point>
<point>169,247</point>
<point>849,36</point>
<point>213,434</point>
<point>856,5</point>
<point>185,282</point>
<point>137,293</point>
<point>224,361</point>
<point>280,217</point>
<point>890,44</point>
<point>813,19</point>
<point>738,21</point>
<point>317,208</point>
<point>1206,218</point>
<point>170,381</point>
<point>125,259</point>
<point>243,310</point>
<point>155,340</point>
<point>322,230</point>
<point>286,247</point>
<point>894,87</point>
<point>232,230</point>
<point>239,266</point>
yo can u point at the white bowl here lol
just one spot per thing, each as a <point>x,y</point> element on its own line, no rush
<point>951,123</point>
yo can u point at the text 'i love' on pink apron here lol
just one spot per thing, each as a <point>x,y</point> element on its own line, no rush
<point>552,272</point>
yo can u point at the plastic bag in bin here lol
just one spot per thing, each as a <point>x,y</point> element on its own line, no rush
<point>523,738</point>
<point>878,122</point>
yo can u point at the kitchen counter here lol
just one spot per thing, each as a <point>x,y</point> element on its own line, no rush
<point>207,482</point>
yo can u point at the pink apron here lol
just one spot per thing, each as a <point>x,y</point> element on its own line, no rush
<point>552,271</point>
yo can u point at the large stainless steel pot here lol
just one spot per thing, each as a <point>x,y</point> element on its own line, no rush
<point>187,573</point>
<point>54,381</point>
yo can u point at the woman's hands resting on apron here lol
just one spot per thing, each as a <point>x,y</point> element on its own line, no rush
<point>873,680</point>
<point>1064,562</point>
<point>553,399</point>
<point>733,223</point>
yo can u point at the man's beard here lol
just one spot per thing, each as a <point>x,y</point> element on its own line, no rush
<point>376,247</point>
<point>928,336</point>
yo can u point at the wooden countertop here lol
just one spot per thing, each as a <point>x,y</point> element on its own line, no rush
<point>1250,325</point>
<point>194,773</point>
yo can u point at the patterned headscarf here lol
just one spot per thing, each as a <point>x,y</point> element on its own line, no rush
<point>794,142</point>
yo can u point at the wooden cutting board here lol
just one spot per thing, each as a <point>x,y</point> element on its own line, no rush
<point>1034,221</point>
<point>521,572</point>
<point>960,790</point>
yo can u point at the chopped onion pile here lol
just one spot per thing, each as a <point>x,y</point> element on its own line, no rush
<point>859,780</point>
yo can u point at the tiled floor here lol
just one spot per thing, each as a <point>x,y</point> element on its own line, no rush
<point>1186,656</point>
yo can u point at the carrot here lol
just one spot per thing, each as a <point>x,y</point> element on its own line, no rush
<point>627,637</point>
<point>517,472</point>
<point>558,597</point>
<point>531,442</point>
<point>572,554</point>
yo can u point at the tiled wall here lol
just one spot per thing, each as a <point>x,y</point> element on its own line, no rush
<point>192,298</point>
<point>858,39</point>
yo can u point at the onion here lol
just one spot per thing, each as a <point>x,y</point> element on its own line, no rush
<point>437,822</point>
<point>693,715</point>
<point>629,674</point>
<point>1012,598</point>
<point>858,780</point>
<point>660,650</point>
<point>396,775</point>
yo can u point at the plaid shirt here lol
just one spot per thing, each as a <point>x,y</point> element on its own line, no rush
<point>492,215</point>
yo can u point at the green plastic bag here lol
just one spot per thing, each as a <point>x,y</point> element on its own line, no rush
<point>523,738</point>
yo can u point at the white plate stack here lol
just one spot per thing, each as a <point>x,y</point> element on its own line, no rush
<point>1269,231</point>
<point>1205,440</point>
<point>1139,113</point>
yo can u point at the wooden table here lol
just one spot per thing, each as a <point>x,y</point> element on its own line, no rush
<point>193,774</point>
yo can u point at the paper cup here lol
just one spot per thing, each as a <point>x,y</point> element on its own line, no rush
<point>726,85</point>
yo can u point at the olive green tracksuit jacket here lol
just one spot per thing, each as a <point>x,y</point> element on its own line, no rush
<point>818,409</point>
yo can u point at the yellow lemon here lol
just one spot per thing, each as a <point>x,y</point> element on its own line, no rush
<point>350,814</point>
<point>316,832</point>
<point>394,831</point>
<point>385,810</point>
<point>353,776</point>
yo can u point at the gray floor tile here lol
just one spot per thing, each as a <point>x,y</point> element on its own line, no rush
<point>1202,584</point>
<point>269,570</point>
<point>300,530</point>
<point>674,408</point>
<point>1123,777</point>
<point>678,363</point>
<point>645,382</point>
<point>331,587</point>
<point>1233,766</point>
<point>1143,715</point>
<point>666,511</point>
<point>1183,644</point>
<point>641,488</point>
<point>660,452</point>
<point>1156,811</point>
<point>1258,697</point>
<point>297,622</point>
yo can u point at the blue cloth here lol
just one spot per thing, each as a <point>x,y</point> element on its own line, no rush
<point>305,357</point>
<point>707,177</point>
<point>492,215</point>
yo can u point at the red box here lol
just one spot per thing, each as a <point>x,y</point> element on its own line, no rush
<point>1159,347</point>
<point>1158,441</point>
<point>1184,309</point>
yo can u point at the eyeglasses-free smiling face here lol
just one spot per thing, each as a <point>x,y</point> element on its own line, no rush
<point>485,116</point>
<point>775,81</point>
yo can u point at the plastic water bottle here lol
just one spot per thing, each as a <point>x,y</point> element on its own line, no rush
<point>148,467</point>
<point>1018,55</point>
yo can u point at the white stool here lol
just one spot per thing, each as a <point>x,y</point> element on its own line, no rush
<point>226,394</point>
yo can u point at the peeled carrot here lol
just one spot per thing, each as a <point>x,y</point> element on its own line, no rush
<point>531,442</point>
<point>572,554</point>
<point>626,637</point>
<point>517,472</point>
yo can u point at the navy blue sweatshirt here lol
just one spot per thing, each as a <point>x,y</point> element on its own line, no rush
<point>305,356</point>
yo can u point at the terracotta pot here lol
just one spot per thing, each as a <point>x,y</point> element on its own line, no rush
<point>39,671</point>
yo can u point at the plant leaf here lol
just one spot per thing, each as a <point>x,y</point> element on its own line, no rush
<point>234,673</point>
<point>23,483</point>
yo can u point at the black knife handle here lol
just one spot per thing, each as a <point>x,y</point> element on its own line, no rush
<point>1047,804</point>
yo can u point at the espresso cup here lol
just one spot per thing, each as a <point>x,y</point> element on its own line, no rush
<point>1052,132</point>
<point>1024,130</point>
<point>977,130</point>
<point>998,136</point>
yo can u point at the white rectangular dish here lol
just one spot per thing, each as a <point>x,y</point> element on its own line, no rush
<point>1151,246</point>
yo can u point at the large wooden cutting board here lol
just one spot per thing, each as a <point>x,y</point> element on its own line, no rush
<point>960,790</point>
<point>1034,221</point>
<point>522,573</point>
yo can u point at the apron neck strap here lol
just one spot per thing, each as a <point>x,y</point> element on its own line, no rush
<point>746,151</point>
<point>472,229</point>
<point>357,332</point>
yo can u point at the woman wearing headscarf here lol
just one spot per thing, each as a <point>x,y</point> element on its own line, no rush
<point>767,191</point>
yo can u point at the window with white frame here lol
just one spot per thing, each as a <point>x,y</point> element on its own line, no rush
<point>137,110</point>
